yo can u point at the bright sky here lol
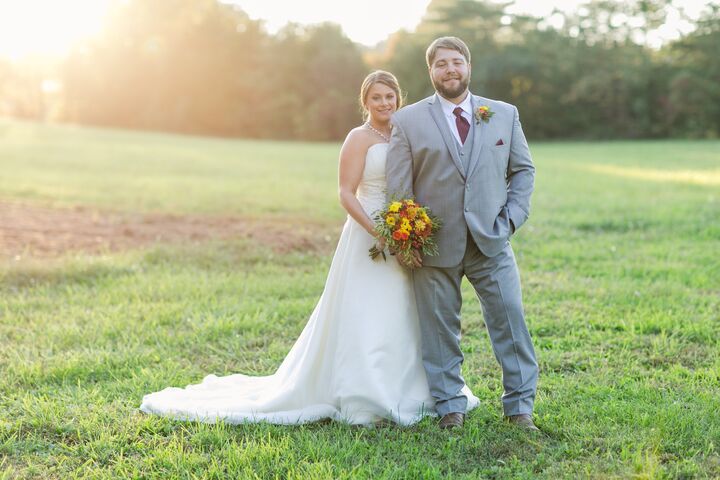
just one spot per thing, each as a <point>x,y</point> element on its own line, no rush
<point>50,27</point>
<point>47,27</point>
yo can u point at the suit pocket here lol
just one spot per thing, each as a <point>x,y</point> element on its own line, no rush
<point>500,156</point>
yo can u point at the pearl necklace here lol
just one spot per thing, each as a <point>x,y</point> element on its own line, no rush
<point>385,137</point>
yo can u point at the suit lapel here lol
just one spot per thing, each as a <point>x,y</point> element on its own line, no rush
<point>480,129</point>
<point>439,117</point>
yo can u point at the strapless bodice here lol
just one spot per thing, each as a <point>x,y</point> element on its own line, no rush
<point>372,189</point>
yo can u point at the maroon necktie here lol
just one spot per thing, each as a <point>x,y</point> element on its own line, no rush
<point>463,125</point>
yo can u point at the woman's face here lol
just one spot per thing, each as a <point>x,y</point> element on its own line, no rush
<point>381,102</point>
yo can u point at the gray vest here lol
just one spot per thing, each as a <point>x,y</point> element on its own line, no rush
<point>465,151</point>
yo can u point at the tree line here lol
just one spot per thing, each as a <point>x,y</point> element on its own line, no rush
<point>205,67</point>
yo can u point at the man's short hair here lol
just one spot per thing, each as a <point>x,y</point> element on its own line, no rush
<point>451,43</point>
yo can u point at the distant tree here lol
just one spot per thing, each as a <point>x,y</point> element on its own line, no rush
<point>477,23</point>
<point>203,66</point>
<point>616,22</point>
<point>21,93</point>
<point>315,74</point>
<point>183,65</point>
<point>405,58</point>
<point>692,105</point>
<point>590,77</point>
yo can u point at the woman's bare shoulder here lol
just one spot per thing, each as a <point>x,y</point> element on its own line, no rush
<point>359,139</point>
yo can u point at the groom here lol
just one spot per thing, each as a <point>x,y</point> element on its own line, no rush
<point>466,158</point>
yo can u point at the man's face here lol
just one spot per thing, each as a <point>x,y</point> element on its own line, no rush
<point>450,73</point>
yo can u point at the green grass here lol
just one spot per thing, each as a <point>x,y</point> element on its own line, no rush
<point>621,278</point>
<point>61,165</point>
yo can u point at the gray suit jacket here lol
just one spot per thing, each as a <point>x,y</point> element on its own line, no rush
<point>423,162</point>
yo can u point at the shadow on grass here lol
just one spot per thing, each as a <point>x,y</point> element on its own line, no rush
<point>616,226</point>
<point>58,273</point>
<point>91,270</point>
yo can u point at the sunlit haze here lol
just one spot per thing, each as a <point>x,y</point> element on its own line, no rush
<point>50,27</point>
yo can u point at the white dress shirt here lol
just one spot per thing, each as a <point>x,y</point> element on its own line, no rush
<point>448,107</point>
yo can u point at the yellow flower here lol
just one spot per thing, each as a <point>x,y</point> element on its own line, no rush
<point>390,220</point>
<point>405,224</point>
<point>425,218</point>
<point>484,108</point>
<point>419,226</point>
<point>412,212</point>
<point>395,207</point>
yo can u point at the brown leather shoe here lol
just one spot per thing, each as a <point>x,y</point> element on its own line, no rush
<point>452,420</point>
<point>523,420</point>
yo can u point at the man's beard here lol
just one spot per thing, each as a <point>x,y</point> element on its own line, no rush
<point>452,92</point>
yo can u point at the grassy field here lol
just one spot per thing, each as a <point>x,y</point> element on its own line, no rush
<point>620,264</point>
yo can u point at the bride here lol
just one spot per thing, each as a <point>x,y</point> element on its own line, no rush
<point>358,359</point>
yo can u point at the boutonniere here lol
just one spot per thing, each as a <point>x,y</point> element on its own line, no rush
<point>483,113</point>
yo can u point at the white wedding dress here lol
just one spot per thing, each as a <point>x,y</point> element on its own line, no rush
<point>358,360</point>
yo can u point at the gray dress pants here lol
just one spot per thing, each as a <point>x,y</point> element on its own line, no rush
<point>497,283</point>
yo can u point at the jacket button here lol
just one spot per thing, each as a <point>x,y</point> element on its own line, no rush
<point>467,209</point>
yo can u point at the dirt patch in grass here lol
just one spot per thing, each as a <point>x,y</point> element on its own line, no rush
<point>35,231</point>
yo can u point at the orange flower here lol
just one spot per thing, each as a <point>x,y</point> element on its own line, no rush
<point>397,235</point>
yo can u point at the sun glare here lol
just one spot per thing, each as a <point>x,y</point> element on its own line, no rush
<point>47,27</point>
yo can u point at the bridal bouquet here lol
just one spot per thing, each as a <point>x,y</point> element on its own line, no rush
<point>406,226</point>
